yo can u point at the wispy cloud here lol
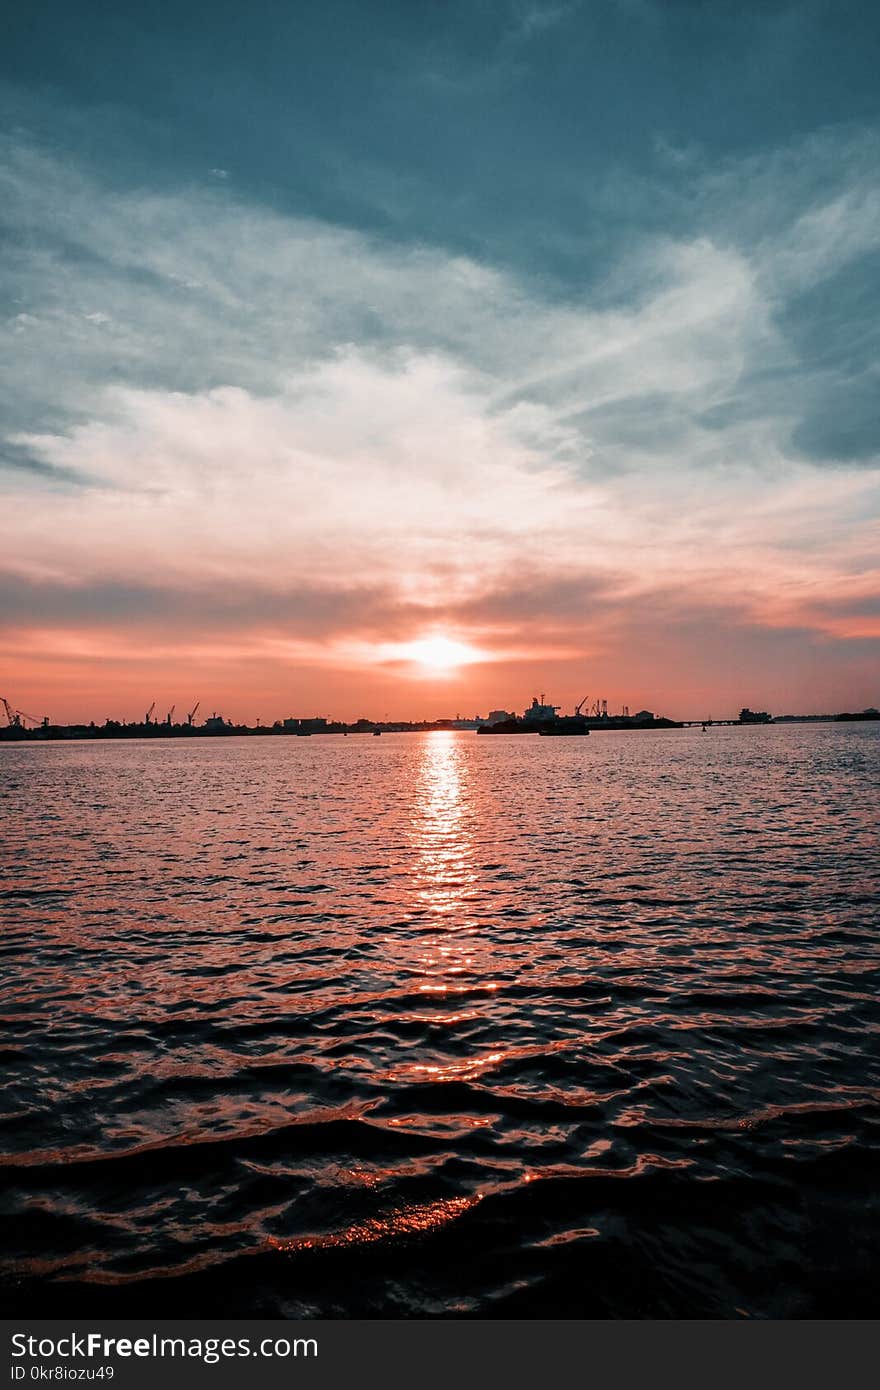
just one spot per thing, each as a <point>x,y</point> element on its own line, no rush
<point>243,402</point>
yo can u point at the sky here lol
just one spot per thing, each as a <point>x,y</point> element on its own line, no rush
<point>410,359</point>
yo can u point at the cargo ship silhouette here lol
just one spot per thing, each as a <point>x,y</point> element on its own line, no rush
<point>545,720</point>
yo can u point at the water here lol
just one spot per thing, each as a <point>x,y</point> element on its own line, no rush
<point>443,1024</point>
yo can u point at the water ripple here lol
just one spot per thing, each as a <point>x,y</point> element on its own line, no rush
<point>437,1024</point>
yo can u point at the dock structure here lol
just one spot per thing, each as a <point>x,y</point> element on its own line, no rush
<point>707,723</point>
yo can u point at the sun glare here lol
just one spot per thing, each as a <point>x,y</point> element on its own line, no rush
<point>440,655</point>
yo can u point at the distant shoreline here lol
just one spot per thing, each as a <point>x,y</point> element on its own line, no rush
<point>104,733</point>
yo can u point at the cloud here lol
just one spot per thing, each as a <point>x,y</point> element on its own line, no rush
<point>273,425</point>
<point>531,19</point>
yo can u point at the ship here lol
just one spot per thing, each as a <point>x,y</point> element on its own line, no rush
<point>539,718</point>
<point>563,726</point>
<point>546,720</point>
<point>754,716</point>
<point>503,723</point>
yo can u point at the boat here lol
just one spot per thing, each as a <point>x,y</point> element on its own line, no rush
<point>377,733</point>
<point>564,726</point>
<point>540,718</point>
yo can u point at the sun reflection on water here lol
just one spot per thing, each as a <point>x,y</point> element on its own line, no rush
<point>451,956</point>
<point>441,834</point>
<point>445,872</point>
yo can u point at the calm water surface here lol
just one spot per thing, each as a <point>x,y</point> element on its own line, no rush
<point>443,1024</point>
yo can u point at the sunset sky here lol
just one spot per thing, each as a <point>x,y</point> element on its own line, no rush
<point>547,332</point>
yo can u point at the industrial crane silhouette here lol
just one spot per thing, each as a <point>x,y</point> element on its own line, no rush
<point>149,713</point>
<point>192,714</point>
<point>16,717</point>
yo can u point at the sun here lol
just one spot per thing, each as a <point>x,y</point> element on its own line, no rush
<point>440,656</point>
